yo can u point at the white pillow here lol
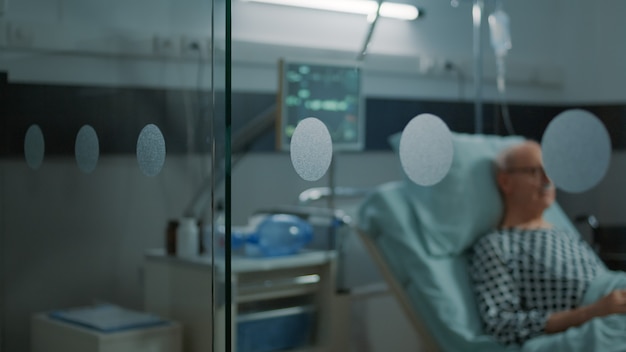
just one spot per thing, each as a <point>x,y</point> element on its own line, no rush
<point>465,204</point>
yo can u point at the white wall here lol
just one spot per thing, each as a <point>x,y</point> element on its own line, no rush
<point>563,52</point>
<point>445,34</point>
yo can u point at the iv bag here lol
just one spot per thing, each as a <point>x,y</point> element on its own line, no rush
<point>500,34</point>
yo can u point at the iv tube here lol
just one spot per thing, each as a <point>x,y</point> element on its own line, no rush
<point>501,43</point>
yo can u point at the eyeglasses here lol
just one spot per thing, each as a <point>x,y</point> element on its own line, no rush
<point>532,171</point>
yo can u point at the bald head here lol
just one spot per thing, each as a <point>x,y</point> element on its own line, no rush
<point>511,156</point>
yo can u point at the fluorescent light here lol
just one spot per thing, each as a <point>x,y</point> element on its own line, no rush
<point>399,11</point>
<point>360,7</point>
<point>477,13</point>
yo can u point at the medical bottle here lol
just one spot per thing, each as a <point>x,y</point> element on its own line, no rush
<point>187,238</point>
<point>278,235</point>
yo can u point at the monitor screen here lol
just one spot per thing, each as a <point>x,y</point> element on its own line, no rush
<point>329,91</point>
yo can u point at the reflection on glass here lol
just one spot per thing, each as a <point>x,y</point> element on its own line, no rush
<point>87,149</point>
<point>34,147</point>
<point>311,149</point>
<point>426,149</point>
<point>151,150</point>
<point>576,150</point>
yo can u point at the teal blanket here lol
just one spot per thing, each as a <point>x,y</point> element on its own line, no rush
<point>606,334</point>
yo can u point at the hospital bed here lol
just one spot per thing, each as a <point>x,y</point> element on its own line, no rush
<point>419,237</point>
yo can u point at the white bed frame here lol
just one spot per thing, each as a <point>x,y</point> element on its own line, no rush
<point>426,340</point>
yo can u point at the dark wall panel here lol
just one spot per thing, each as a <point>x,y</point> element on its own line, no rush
<point>119,114</point>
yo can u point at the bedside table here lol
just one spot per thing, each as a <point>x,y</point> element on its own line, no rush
<point>52,335</point>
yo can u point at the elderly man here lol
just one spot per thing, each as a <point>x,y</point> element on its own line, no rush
<point>530,277</point>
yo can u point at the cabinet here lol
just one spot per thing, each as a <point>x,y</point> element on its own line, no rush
<point>300,288</point>
<point>51,335</point>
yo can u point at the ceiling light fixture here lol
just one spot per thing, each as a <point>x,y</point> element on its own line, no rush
<point>360,7</point>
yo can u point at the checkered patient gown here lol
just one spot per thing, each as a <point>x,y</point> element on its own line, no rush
<point>522,276</point>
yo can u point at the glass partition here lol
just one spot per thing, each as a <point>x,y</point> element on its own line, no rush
<point>113,143</point>
<point>189,174</point>
<point>459,67</point>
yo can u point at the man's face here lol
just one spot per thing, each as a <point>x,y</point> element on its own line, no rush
<point>524,182</point>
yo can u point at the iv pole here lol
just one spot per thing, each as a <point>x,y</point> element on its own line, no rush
<point>477,16</point>
<point>360,57</point>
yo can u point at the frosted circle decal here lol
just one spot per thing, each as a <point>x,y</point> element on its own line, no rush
<point>576,150</point>
<point>426,149</point>
<point>311,149</point>
<point>87,149</point>
<point>151,150</point>
<point>34,147</point>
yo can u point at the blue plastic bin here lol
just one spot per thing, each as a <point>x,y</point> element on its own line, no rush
<point>275,330</point>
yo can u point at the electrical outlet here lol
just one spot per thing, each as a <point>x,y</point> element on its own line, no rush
<point>19,35</point>
<point>165,46</point>
<point>194,47</point>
